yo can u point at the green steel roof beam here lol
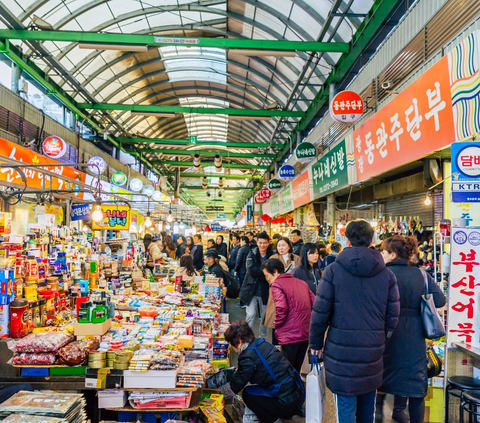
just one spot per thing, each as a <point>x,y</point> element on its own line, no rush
<point>174,152</point>
<point>211,175</point>
<point>158,41</point>
<point>373,21</point>
<point>145,108</point>
<point>205,164</point>
<point>168,141</point>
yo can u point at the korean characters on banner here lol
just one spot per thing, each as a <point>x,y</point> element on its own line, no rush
<point>464,311</point>
<point>347,107</point>
<point>301,189</point>
<point>115,218</point>
<point>466,172</point>
<point>330,172</point>
<point>432,112</point>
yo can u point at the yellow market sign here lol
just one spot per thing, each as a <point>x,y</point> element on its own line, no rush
<point>115,218</point>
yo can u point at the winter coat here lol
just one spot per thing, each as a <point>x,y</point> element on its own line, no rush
<point>232,260</point>
<point>293,309</point>
<point>222,249</point>
<point>155,252</point>
<point>405,363</point>
<point>197,254</point>
<point>311,277</point>
<point>297,247</point>
<point>182,271</point>
<point>269,320</point>
<point>255,278</point>
<point>330,259</point>
<point>170,253</point>
<point>180,250</point>
<point>358,302</point>
<point>251,369</point>
<point>241,263</point>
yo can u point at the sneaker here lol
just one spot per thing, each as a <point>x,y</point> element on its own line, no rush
<point>241,305</point>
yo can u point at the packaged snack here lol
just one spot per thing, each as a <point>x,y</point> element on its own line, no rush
<point>41,342</point>
<point>43,359</point>
<point>76,353</point>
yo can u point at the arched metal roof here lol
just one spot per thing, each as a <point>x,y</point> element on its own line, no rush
<point>182,75</point>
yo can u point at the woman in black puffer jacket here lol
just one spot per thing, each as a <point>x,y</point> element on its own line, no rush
<point>405,362</point>
<point>285,403</point>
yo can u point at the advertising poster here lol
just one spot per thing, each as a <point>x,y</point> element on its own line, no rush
<point>115,218</point>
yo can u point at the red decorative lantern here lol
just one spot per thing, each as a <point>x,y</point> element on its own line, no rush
<point>207,229</point>
<point>265,217</point>
<point>281,220</point>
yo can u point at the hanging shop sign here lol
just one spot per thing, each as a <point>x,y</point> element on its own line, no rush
<point>119,179</point>
<point>259,199</point>
<point>216,227</point>
<point>347,107</point>
<point>249,215</point>
<point>306,152</point>
<point>466,172</point>
<point>136,184</point>
<point>464,281</point>
<point>266,193</point>
<point>35,179</point>
<point>97,165</point>
<point>286,172</point>
<point>275,205</point>
<point>80,212</point>
<point>148,190</point>
<point>54,147</point>
<point>286,200</point>
<point>274,185</point>
<point>301,190</point>
<point>134,219</point>
<point>330,172</point>
<point>157,196</point>
<point>115,218</point>
<point>432,112</point>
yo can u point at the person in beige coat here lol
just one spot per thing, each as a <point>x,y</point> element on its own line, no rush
<point>186,269</point>
<point>290,261</point>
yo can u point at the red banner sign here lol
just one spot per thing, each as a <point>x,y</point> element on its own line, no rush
<point>301,190</point>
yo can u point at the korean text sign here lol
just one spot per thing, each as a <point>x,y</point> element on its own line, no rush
<point>466,172</point>
<point>301,189</point>
<point>464,291</point>
<point>80,212</point>
<point>438,108</point>
<point>115,218</point>
<point>330,172</point>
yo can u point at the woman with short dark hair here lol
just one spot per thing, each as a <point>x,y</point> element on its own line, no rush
<point>293,302</point>
<point>276,390</point>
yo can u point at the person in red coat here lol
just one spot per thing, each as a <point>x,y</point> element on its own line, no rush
<point>293,304</point>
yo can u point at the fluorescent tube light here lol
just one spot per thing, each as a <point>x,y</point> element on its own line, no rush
<point>118,47</point>
<point>251,52</point>
<point>155,114</point>
<point>236,117</point>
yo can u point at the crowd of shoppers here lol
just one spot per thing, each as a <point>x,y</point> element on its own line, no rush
<point>358,307</point>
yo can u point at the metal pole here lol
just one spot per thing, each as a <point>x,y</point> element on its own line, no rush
<point>331,212</point>
<point>16,74</point>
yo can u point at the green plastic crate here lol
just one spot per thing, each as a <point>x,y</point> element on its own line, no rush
<point>68,371</point>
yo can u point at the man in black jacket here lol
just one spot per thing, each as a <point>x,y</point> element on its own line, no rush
<point>197,252</point>
<point>232,260</point>
<point>210,260</point>
<point>181,245</point>
<point>297,241</point>
<point>358,302</point>
<point>255,289</point>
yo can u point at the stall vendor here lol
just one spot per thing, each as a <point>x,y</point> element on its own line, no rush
<point>276,390</point>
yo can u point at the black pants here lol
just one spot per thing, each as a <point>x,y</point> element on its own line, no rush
<point>295,353</point>
<point>416,406</point>
<point>268,409</point>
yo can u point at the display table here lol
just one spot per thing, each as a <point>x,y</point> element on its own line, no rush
<point>472,349</point>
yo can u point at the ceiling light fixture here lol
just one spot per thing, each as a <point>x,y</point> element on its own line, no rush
<point>428,201</point>
<point>117,47</point>
<point>242,117</point>
<point>97,215</point>
<point>148,221</point>
<point>155,114</point>
<point>253,52</point>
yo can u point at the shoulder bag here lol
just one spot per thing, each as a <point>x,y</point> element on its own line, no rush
<point>432,322</point>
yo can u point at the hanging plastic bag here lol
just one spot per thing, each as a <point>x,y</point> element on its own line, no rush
<point>315,402</point>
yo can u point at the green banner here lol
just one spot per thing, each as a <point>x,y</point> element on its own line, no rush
<point>286,199</point>
<point>330,173</point>
<point>275,205</point>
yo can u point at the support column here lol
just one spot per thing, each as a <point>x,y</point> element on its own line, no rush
<point>331,214</point>
<point>332,91</point>
<point>16,74</point>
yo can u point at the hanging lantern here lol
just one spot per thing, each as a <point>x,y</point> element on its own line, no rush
<point>218,163</point>
<point>265,217</point>
<point>204,183</point>
<point>196,161</point>
<point>207,229</point>
<point>282,220</point>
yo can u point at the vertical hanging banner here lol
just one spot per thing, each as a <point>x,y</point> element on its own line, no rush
<point>464,283</point>
<point>436,109</point>
<point>330,172</point>
<point>115,218</point>
<point>286,200</point>
<point>249,215</point>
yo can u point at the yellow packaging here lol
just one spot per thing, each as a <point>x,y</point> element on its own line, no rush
<point>219,401</point>
<point>185,341</point>
<point>219,364</point>
<point>213,415</point>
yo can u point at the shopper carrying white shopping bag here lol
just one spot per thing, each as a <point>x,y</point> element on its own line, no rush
<point>315,402</point>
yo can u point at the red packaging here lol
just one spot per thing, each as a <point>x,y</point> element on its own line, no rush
<point>19,318</point>
<point>80,301</point>
<point>178,283</point>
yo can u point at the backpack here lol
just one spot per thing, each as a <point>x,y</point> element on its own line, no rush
<point>231,284</point>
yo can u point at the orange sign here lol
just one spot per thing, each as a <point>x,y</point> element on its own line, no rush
<point>415,123</point>
<point>34,177</point>
<point>346,107</point>
<point>54,147</point>
<point>301,189</point>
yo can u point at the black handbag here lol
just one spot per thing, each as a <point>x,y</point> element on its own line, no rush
<point>432,322</point>
<point>434,364</point>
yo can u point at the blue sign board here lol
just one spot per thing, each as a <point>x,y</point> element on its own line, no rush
<point>286,172</point>
<point>80,212</point>
<point>221,216</point>
<point>249,213</point>
<point>217,227</point>
<point>466,172</point>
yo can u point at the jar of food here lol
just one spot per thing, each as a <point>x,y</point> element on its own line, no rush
<point>19,318</point>
<point>31,269</point>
